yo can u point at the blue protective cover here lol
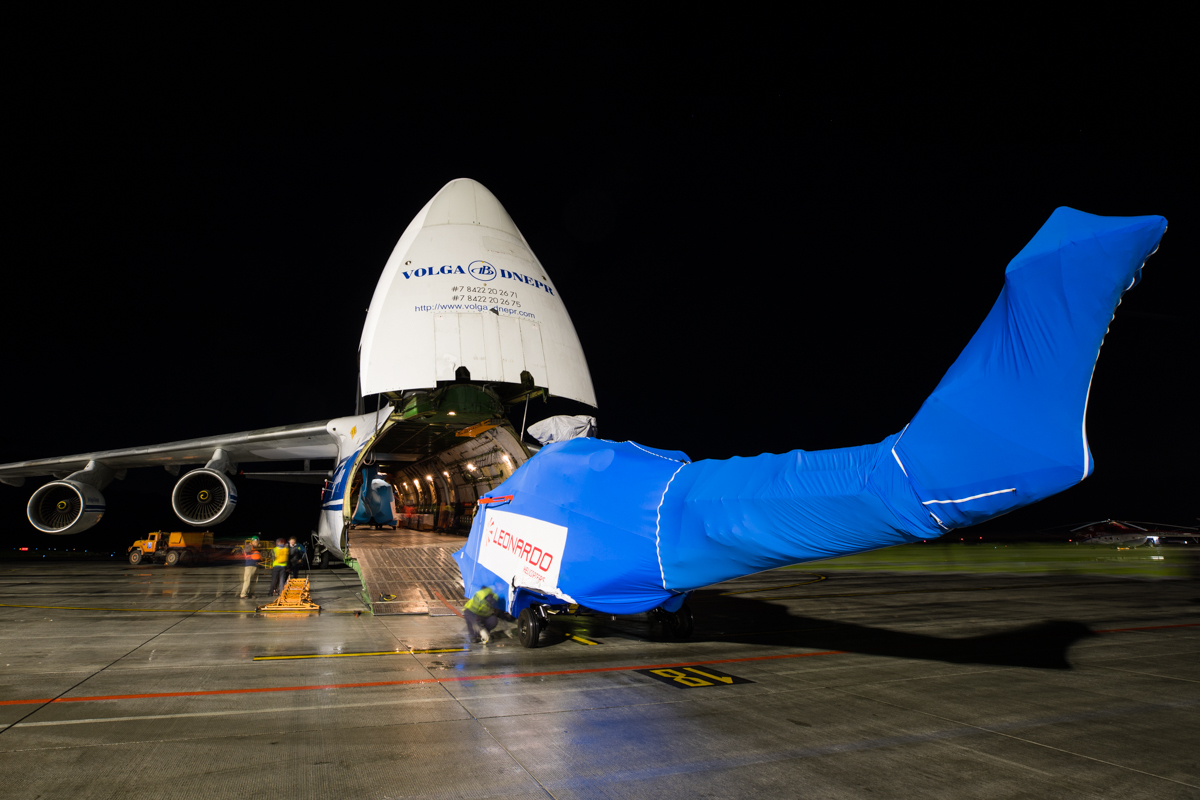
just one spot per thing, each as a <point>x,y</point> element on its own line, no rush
<point>374,504</point>
<point>1003,429</point>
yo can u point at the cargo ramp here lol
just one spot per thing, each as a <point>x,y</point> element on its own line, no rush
<point>407,571</point>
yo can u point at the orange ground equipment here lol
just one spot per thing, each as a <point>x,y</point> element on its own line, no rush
<point>294,598</point>
<point>173,548</point>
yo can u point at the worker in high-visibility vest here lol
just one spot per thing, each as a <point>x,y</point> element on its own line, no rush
<point>279,567</point>
<point>250,560</point>
<point>480,614</point>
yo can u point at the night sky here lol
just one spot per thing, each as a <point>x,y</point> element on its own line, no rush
<point>769,237</point>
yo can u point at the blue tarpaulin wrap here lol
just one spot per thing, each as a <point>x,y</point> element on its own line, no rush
<point>622,528</point>
<point>376,503</point>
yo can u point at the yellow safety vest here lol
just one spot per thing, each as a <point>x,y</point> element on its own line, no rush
<point>479,603</point>
<point>281,554</point>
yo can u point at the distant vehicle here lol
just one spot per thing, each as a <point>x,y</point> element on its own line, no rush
<point>173,548</point>
<point>1125,534</point>
<point>1177,541</point>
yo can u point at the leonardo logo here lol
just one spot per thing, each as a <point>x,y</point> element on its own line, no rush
<point>523,549</point>
<point>481,270</point>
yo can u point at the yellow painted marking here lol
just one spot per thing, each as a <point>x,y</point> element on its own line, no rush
<point>679,677</point>
<point>580,639</point>
<point>352,655</point>
<point>709,675</point>
<point>159,610</point>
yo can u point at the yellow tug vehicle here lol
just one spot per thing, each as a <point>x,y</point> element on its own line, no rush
<point>172,548</point>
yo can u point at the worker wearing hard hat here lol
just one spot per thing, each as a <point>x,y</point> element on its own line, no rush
<point>480,614</point>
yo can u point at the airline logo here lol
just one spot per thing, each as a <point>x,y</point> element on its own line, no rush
<point>481,270</point>
<point>526,548</point>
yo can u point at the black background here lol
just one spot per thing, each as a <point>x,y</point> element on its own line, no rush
<point>770,234</point>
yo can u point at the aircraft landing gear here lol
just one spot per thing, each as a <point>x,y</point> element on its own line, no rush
<point>676,624</point>
<point>529,626</point>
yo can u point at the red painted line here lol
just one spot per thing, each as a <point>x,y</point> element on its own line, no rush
<point>410,682</point>
<point>1151,628</point>
<point>447,605</point>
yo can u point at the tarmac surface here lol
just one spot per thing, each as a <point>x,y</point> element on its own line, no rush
<point>159,682</point>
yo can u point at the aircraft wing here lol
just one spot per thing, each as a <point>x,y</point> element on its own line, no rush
<point>284,443</point>
<point>204,496</point>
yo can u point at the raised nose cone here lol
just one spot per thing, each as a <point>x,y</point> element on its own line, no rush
<point>464,289</point>
<point>467,202</point>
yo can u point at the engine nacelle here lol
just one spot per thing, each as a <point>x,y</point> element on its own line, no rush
<point>204,497</point>
<point>62,507</point>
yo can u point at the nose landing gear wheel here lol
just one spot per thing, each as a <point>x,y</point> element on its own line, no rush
<point>677,624</point>
<point>529,628</point>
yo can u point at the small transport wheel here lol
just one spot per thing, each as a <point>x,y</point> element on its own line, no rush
<point>135,557</point>
<point>529,627</point>
<point>172,558</point>
<point>678,624</point>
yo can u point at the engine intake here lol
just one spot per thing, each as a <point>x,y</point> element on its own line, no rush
<point>204,497</point>
<point>62,507</point>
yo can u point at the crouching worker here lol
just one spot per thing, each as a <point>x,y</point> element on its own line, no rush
<point>480,614</point>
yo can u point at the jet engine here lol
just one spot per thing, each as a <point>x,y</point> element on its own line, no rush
<point>204,497</point>
<point>66,506</point>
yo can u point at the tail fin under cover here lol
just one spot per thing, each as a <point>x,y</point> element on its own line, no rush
<point>1006,425</point>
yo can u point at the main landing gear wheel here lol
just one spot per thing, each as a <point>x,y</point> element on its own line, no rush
<point>135,557</point>
<point>529,627</point>
<point>677,624</point>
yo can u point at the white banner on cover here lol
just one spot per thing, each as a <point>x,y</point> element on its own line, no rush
<point>526,548</point>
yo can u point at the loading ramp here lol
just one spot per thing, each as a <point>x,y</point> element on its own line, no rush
<point>410,569</point>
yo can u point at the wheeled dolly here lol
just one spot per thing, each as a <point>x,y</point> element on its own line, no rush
<point>534,619</point>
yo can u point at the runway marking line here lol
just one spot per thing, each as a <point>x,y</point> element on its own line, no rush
<point>414,681</point>
<point>155,610</point>
<point>934,591</point>
<point>582,640</point>
<point>1150,628</point>
<point>699,678</point>
<point>351,655</point>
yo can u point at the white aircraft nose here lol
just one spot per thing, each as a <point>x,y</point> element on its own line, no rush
<point>467,202</point>
<point>463,289</point>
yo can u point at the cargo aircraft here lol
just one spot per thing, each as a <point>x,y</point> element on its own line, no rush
<point>464,325</point>
<point>465,322</point>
